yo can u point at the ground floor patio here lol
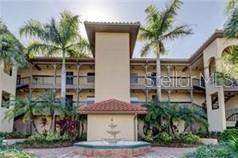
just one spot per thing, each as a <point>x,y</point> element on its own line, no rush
<point>72,152</point>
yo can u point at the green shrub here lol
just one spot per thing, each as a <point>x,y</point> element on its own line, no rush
<point>13,153</point>
<point>206,134</point>
<point>149,137</point>
<point>189,139</point>
<point>229,134</point>
<point>50,138</point>
<point>164,138</point>
<point>213,151</point>
<point>13,135</point>
<point>233,144</point>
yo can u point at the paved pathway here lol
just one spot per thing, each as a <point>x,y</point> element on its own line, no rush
<point>69,152</point>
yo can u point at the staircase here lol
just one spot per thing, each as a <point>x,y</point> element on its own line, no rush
<point>231,117</point>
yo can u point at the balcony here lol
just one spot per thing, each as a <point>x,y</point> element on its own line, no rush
<point>39,81</point>
<point>231,116</point>
<point>142,82</point>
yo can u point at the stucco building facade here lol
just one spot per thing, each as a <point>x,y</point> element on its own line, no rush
<point>7,93</point>
<point>113,73</point>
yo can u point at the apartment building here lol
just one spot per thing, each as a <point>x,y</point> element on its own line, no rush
<point>113,73</point>
<point>8,75</point>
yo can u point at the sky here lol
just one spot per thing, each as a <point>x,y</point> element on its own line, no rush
<point>203,16</point>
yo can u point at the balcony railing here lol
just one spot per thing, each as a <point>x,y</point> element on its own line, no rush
<point>232,114</point>
<point>142,82</point>
<point>39,81</point>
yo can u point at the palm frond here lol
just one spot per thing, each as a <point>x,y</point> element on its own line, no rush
<point>79,49</point>
<point>33,28</point>
<point>168,15</point>
<point>231,26</point>
<point>179,31</point>
<point>69,26</point>
<point>145,50</point>
<point>12,51</point>
<point>42,49</point>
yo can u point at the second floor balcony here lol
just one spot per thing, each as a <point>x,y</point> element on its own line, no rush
<point>151,82</point>
<point>72,82</point>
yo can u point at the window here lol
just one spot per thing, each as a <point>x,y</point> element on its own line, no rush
<point>5,99</point>
<point>214,100</point>
<point>91,77</point>
<point>8,69</point>
<point>154,98</point>
<point>153,78</point>
<point>90,99</point>
<point>18,79</point>
<point>69,100</point>
<point>69,78</point>
<point>134,78</point>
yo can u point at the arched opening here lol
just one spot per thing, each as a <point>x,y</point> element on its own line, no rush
<point>212,66</point>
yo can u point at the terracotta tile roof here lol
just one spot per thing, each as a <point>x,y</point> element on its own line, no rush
<point>112,106</point>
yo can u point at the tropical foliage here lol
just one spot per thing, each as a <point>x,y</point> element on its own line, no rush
<point>213,151</point>
<point>15,153</point>
<point>12,51</point>
<point>51,105</point>
<point>160,27</point>
<point>25,108</point>
<point>44,105</point>
<point>57,38</point>
<point>163,118</point>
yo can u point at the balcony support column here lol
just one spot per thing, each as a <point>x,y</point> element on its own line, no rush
<point>169,95</point>
<point>191,83</point>
<point>77,90</point>
<point>55,74</point>
<point>190,76</point>
<point>169,79</point>
<point>191,95</point>
<point>146,88</point>
<point>30,82</point>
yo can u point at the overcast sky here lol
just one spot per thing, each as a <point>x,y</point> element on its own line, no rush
<point>204,16</point>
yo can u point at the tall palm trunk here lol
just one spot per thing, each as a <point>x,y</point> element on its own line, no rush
<point>63,79</point>
<point>158,77</point>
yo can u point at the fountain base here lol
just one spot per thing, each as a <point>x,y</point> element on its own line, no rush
<point>122,148</point>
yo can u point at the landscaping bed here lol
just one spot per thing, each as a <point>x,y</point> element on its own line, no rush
<point>175,145</point>
<point>49,140</point>
<point>37,146</point>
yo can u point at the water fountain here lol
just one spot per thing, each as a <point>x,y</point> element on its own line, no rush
<point>113,146</point>
<point>113,133</point>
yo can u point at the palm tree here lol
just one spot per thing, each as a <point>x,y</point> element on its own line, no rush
<point>12,51</point>
<point>158,29</point>
<point>231,5</point>
<point>51,105</point>
<point>57,38</point>
<point>191,115</point>
<point>27,108</point>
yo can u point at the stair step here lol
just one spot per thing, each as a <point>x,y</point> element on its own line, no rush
<point>230,123</point>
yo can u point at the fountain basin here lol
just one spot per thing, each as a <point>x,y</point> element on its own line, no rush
<point>121,148</point>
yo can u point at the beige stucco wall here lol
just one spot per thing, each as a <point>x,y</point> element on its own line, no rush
<point>112,69</point>
<point>232,102</point>
<point>7,84</point>
<point>98,125</point>
<point>216,118</point>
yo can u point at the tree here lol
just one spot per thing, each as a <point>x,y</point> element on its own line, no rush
<point>12,51</point>
<point>57,38</point>
<point>162,116</point>
<point>50,105</point>
<point>229,59</point>
<point>231,5</point>
<point>192,115</point>
<point>158,29</point>
<point>27,108</point>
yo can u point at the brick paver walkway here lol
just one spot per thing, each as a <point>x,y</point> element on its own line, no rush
<point>69,152</point>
